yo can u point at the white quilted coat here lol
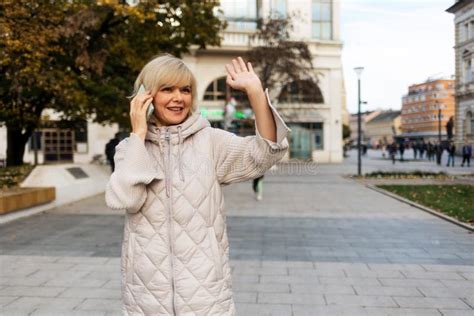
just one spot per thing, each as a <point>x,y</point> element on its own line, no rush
<point>175,252</point>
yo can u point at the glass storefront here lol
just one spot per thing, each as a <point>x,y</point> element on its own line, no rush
<point>304,138</point>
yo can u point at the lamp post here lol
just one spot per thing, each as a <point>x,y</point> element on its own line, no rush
<point>359,71</point>
<point>439,122</point>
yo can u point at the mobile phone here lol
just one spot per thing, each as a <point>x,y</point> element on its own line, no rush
<point>151,107</point>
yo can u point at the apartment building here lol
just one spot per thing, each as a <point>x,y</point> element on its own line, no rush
<point>427,108</point>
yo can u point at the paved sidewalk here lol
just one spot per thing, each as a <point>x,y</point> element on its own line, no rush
<point>318,244</point>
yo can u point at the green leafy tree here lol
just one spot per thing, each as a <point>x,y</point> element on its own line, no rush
<point>80,58</point>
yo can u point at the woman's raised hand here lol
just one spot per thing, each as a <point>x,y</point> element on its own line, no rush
<point>241,76</point>
<point>138,107</point>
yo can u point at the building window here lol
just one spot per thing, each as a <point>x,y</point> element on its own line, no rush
<point>304,138</point>
<point>303,91</point>
<point>35,136</point>
<point>80,131</point>
<point>469,124</point>
<point>466,32</point>
<point>467,70</point>
<point>472,125</point>
<point>278,8</point>
<point>322,19</point>
<point>240,15</point>
<point>216,90</point>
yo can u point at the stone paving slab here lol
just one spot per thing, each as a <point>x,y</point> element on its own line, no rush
<point>318,244</point>
<point>288,295</point>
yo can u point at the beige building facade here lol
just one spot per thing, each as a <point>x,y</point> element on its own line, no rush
<point>365,117</point>
<point>383,128</point>
<point>315,119</point>
<point>463,11</point>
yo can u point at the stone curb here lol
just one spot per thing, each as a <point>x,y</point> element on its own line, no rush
<point>421,207</point>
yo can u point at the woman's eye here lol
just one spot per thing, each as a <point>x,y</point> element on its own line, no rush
<point>186,90</point>
<point>166,89</point>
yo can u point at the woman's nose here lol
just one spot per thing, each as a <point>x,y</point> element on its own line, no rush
<point>177,95</point>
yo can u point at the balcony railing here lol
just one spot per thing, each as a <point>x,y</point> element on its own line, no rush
<point>464,88</point>
<point>240,38</point>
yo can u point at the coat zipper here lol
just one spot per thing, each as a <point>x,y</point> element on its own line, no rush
<point>170,228</point>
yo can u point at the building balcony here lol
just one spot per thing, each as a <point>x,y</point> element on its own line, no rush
<point>465,88</point>
<point>242,38</point>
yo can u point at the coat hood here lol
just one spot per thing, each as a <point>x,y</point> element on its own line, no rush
<point>178,133</point>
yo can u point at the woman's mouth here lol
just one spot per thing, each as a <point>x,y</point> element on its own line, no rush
<point>176,109</point>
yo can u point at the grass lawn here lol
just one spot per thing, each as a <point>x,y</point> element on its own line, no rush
<point>453,200</point>
<point>416,174</point>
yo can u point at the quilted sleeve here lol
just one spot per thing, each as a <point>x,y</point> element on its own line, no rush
<point>134,169</point>
<point>242,158</point>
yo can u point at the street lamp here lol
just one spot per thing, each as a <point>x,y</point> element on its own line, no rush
<point>359,71</point>
<point>439,122</point>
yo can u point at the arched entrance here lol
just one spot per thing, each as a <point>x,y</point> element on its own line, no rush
<point>307,133</point>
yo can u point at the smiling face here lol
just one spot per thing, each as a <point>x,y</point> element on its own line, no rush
<point>172,104</point>
<point>173,87</point>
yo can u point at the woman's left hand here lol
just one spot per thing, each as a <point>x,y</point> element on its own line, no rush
<point>240,76</point>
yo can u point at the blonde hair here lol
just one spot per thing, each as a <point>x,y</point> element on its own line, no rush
<point>165,70</point>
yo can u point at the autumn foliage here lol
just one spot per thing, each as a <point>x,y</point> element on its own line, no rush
<point>80,58</point>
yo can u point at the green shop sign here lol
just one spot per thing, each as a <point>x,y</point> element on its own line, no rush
<point>218,114</point>
<point>212,114</point>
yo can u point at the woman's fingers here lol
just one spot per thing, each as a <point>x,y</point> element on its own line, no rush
<point>229,80</point>
<point>230,71</point>
<point>140,100</point>
<point>145,105</point>
<point>146,101</point>
<point>242,64</point>
<point>250,67</point>
<point>236,66</point>
<point>139,104</point>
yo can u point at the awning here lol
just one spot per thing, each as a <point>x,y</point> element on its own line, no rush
<point>301,115</point>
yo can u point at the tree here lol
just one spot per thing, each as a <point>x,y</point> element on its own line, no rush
<point>80,57</point>
<point>346,131</point>
<point>277,58</point>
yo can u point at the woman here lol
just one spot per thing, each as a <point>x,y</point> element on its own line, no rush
<point>168,177</point>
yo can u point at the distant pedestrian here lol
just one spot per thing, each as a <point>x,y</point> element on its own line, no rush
<point>439,152</point>
<point>451,152</point>
<point>401,149</point>
<point>466,154</point>
<point>415,150</point>
<point>258,188</point>
<point>430,151</point>
<point>393,151</point>
<point>423,148</point>
<point>110,150</point>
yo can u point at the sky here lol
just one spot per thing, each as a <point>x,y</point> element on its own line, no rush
<point>399,43</point>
